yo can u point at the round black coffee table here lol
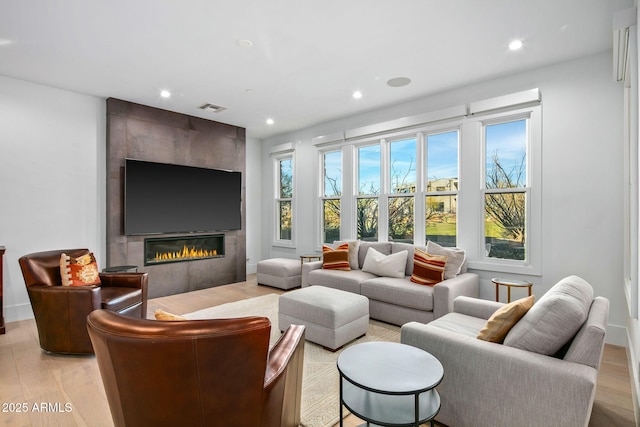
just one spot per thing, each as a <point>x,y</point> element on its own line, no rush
<point>389,384</point>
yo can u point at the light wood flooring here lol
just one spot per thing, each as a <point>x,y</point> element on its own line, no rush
<point>40,389</point>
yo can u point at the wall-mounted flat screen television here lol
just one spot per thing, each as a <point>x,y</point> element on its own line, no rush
<point>167,198</point>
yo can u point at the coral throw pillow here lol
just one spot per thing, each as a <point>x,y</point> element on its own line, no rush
<point>79,271</point>
<point>427,269</point>
<point>336,259</point>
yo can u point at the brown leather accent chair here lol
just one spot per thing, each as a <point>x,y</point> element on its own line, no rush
<point>61,311</point>
<point>217,372</point>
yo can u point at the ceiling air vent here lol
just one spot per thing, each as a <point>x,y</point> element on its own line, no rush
<point>212,108</point>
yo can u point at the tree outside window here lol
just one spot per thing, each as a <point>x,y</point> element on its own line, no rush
<point>368,186</point>
<point>402,180</point>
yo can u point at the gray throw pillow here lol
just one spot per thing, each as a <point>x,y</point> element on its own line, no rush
<point>554,319</point>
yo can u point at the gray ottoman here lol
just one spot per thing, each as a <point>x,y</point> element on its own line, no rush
<point>332,317</point>
<point>283,273</point>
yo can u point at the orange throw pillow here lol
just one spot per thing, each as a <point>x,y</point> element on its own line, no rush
<point>427,269</point>
<point>79,271</point>
<point>505,318</point>
<point>336,259</point>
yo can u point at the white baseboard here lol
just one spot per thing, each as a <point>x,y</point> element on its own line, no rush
<point>14,313</point>
<point>617,335</point>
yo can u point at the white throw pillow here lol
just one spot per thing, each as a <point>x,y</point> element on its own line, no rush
<point>393,265</point>
<point>455,258</point>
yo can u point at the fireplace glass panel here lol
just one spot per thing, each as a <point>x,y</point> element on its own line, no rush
<point>180,249</point>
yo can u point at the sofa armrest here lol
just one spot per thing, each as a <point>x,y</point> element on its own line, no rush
<point>445,292</point>
<point>308,267</point>
<point>501,385</point>
<point>475,307</point>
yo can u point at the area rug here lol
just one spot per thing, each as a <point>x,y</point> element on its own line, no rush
<point>320,381</point>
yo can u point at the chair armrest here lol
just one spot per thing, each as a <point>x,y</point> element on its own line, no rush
<point>475,307</point>
<point>125,280</point>
<point>308,267</point>
<point>445,292</point>
<point>516,386</point>
<point>282,396</point>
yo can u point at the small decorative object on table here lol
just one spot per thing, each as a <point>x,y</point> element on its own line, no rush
<point>309,258</point>
<point>509,283</point>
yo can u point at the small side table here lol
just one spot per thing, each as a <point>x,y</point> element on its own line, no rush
<point>510,283</point>
<point>308,258</point>
<point>121,269</point>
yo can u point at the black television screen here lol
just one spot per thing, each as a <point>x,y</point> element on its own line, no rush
<point>167,198</point>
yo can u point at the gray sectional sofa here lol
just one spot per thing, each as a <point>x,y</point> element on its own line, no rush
<point>395,300</point>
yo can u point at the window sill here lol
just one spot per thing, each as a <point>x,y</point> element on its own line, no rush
<point>504,266</point>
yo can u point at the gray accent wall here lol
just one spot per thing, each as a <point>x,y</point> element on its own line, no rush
<point>145,133</point>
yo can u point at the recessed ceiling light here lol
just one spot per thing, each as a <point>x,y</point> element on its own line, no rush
<point>398,81</point>
<point>357,94</point>
<point>515,45</point>
<point>270,121</point>
<point>244,43</point>
<point>165,94</point>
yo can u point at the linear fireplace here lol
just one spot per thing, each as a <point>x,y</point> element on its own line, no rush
<point>163,250</point>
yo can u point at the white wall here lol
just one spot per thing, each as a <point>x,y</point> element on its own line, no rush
<point>581,167</point>
<point>52,186</point>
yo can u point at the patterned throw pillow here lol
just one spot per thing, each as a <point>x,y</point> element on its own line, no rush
<point>501,322</point>
<point>427,269</point>
<point>79,271</point>
<point>336,259</point>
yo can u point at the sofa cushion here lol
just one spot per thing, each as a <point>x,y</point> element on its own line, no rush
<point>400,292</point>
<point>382,247</point>
<point>458,323</point>
<point>336,259</point>
<point>354,247</point>
<point>501,322</point>
<point>427,269</point>
<point>392,265</point>
<point>455,258</point>
<point>554,319</point>
<point>339,279</point>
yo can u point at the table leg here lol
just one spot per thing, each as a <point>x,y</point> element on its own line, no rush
<point>497,293</point>
<point>508,293</point>
<point>340,403</point>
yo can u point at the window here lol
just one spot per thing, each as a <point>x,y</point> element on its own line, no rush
<point>284,198</point>
<point>368,191</point>
<point>331,193</point>
<point>441,185</point>
<point>505,190</point>
<point>402,187</point>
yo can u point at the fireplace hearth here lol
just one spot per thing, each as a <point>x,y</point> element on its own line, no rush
<point>162,250</point>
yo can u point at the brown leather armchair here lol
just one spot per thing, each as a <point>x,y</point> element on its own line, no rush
<point>61,311</point>
<point>217,372</point>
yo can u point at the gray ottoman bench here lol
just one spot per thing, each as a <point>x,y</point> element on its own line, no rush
<point>283,273</point>
<point>332,317</point>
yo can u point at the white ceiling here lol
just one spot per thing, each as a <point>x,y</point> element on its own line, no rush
<point>307,56</point>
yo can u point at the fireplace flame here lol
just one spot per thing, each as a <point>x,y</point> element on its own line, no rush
<point>185,254</point>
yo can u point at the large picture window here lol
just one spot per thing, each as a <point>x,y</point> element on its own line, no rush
<point>368,192</point>
<point>441,185</point>
<point>284,198</point>
<point>505,190</point>
<point>331,193</point>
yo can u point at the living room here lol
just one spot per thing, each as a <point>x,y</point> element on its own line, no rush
<point>54,164</point>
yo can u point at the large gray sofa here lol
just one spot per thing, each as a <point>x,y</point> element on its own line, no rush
<point>545,372</point>
<point>391,299</point>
